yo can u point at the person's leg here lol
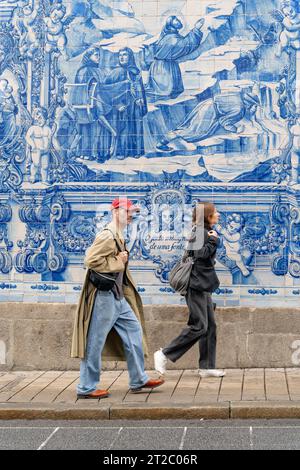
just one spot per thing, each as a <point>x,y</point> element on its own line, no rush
<point>45,167</point>
<point>104,122</point>
<point>197,326</point>
<point>207,343</point>
<point>103,317</point>
<point>34,167</point>
<point>130,331</point>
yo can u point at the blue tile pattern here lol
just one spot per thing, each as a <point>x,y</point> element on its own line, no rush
<point>166,102</point>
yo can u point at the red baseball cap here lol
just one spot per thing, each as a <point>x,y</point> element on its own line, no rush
<point>124,203</point>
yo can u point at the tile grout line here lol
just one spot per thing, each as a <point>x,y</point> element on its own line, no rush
<point>197,388</point>
<point>165,379</point>
<point>243,383</point>
<point>151,391</point>
<point>108,388</point>
<point>50,383</point>
<point>2,389</point>
<point>219,391</point>
<point>62,391</point>
<point>148,395</point>
<point>121,372</point>
<point>176,385</point>
<point>30,383</point>
<point>287,384</point>
<point>48,439</point>
<point>128,390</point>
<point>6,385</point>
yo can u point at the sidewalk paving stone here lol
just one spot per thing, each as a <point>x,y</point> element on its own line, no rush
<point>232,385</point>
<point>50,393</point>
<point>293,382</point>
<point>276,385</point>
<point>186,388</point>
<point>208,390</point>
<point>254,385</point>
<point>165,392</point>
<point>7,379</point>
<point>68,395</point>
<point>28,393</point>
<point>242,393</point>
<point>20,382</point>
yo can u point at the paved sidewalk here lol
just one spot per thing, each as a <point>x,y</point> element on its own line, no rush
<point>243,393</point>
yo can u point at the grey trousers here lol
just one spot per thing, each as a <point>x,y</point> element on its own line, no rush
<point>201,328</point>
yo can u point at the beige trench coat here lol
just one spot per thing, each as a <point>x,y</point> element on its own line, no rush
<point>102,257</point>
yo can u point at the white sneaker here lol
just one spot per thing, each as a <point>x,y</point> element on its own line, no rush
<point>211,373</point>
<point>160,361</point>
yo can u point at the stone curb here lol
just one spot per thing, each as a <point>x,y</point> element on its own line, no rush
<point>170,411</point>
<point>225,410</point>
<point>265,410</point>
<point>27,411</point>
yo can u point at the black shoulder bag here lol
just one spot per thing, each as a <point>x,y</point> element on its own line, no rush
<point>104,281</point>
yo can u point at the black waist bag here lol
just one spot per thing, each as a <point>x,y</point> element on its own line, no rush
<point>103,281</point>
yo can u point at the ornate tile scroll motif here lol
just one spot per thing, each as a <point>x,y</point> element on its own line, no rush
<point>167,103</point>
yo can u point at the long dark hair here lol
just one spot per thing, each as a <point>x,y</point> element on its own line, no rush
<point>205,210</point>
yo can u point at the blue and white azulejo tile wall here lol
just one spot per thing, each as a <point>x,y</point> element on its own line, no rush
<point>167,102</point>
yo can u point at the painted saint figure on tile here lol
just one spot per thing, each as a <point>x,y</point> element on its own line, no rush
<point>165,79</point>
<point>8,112</point>
<point>92,107</point>
<point>222,113</point>
<point>129,108</point>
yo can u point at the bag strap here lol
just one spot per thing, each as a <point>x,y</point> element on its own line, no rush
<point>185,255</point>
<point>188,253</point>
<point>117,243</point>
<point>120,249</point>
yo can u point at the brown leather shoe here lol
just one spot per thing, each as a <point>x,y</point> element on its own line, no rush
<point>96,394</point>
<point>152,383</point>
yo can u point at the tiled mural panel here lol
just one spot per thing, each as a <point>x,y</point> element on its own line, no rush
<point>164,101</point>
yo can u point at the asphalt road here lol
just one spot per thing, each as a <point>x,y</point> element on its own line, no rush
<point>150,435</point>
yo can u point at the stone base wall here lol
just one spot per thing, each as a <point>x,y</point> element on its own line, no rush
<point>38,336</point>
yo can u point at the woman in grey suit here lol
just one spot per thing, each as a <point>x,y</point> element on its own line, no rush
<point>201,325</point>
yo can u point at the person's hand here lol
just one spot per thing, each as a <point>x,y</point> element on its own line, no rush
<point>121,109</point>
<point>199,24</point>
<point>213,233</point>
<point>123,255</point>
